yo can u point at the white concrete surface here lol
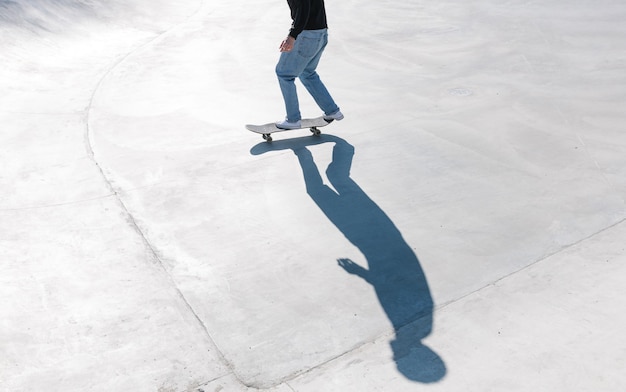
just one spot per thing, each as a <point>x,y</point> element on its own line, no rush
<point>462,229</point>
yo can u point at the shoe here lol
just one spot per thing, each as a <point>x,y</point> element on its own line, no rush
<point>335,116</point>
<point>289,125</point>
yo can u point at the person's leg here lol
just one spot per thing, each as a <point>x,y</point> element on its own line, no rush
<point>290,66</point>
<point>287,70</point>
<point>311,80</point>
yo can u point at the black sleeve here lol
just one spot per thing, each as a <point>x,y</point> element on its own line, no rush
<point>300,14</point>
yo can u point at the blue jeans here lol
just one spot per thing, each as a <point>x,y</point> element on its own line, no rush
<point>301,63</point>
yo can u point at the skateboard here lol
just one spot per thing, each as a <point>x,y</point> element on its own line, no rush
<point>266,130</point>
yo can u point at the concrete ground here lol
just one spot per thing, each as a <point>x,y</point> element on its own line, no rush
<point>463,229</point>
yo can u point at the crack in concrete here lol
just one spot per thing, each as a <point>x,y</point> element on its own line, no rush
<point>160,260</point>
<point>114,192</point>
<point>294,376</point>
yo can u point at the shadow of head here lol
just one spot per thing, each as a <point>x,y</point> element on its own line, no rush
<point>416,361</point>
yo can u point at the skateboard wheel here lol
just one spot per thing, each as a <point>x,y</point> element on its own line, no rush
<point>316,131</point>
<point>267,137</point>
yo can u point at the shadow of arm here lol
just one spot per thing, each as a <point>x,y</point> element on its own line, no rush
<point>353,268</point>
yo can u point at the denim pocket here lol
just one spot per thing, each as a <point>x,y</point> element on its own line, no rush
<point>307,47</point>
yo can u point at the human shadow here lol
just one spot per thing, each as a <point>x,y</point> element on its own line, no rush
<point>393,269</point>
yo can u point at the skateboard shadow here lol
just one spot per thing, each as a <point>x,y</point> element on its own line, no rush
<point>393,269</point>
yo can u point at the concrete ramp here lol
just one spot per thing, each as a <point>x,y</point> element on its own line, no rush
<point>461,229</point>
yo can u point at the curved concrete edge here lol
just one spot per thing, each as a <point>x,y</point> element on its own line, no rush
<point>110,284</point>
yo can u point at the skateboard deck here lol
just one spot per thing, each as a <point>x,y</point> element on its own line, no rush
<point>266,130</point>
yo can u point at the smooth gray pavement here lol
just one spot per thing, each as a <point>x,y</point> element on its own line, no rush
<point>463,229</point>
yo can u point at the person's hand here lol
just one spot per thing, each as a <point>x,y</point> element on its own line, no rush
<point>287,44</point>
